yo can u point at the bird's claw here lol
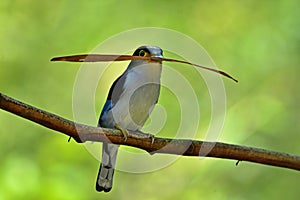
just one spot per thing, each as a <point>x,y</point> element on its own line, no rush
<point>152,137</point>
<point>123,131</point>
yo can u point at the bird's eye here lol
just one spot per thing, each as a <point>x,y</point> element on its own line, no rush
<point>142,53</point>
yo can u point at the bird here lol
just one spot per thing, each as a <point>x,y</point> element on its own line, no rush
<point>129,103</point>
<point>130,100</point>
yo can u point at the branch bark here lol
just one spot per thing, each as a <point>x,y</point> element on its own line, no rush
<point>82,133</point>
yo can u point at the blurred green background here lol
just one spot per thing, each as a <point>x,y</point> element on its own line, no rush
<point>257,42</point>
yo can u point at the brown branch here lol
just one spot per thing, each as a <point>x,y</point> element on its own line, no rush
<point>82,133</point>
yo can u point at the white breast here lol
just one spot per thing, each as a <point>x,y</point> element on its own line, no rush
<point>141,92</point>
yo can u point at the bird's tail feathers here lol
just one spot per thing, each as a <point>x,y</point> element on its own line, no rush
<point>106,171</point>
<point>105,178</point>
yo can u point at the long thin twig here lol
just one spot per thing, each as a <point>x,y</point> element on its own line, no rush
<point>151,144</point>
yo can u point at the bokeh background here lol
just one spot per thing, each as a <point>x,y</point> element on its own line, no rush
<point>257,42</point>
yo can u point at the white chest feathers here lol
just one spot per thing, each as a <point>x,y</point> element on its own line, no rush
<point>140,94</point>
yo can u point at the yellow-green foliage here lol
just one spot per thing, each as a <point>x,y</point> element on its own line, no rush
<point>255,41</point>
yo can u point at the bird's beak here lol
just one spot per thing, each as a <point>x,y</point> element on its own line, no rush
<point>156,58</point>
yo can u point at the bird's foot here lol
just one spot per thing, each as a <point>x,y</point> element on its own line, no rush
<point>148,135</point>
<point>152,137</point>
<point>123,131</point>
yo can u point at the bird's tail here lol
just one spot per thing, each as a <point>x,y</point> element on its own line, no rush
<point>106,171</point>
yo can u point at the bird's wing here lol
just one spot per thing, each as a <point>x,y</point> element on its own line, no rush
<point>116,91</point>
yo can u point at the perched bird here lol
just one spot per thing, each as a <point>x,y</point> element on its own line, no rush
<point>130,101</point>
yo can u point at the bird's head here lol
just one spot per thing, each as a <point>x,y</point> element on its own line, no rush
<point>149,51</point>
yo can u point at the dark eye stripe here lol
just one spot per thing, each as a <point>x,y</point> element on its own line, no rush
<point>148,50</point>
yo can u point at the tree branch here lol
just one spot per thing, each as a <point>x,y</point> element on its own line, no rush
<point>83,133</point>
